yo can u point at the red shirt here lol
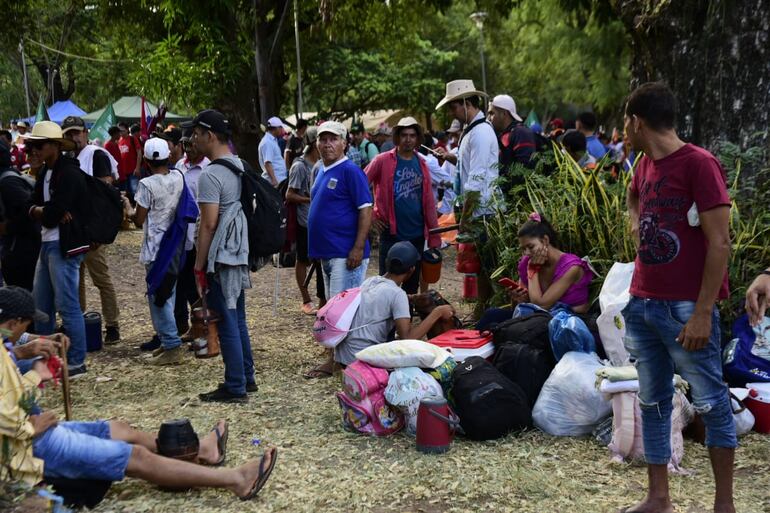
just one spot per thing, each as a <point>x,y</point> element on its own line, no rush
<point>672,254</point>
<point>18,158</point>
<point>127,163</point>
<point>112,147</point>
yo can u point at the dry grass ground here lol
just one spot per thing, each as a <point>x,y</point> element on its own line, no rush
<point>323,468</point>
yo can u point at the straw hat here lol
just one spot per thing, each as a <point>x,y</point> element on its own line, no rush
<point>49,131</point>
<point>457,89</point>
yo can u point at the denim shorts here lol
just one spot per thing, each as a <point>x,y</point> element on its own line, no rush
<point>337,276</point>
<point>82,450</point>
<point>652,327</point>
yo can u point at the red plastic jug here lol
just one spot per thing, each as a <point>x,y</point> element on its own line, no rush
<point>436,424</point>
<point>431,265</point>
<point>470,286</point>
<point>467,259</point>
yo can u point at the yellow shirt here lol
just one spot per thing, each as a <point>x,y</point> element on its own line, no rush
<point>16,431</point>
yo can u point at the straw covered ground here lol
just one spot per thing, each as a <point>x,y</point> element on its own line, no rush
<point>323,468</point>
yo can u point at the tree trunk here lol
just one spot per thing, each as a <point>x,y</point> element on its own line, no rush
<point>714,54</point>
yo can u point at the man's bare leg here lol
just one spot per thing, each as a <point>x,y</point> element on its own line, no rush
<point>207,453</point>
<point>658,499</point>
<point>176,474</point>
<point>722,461</point>
<point>300,273</point>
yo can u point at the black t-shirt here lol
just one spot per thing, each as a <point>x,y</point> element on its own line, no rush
<point>101,165</point>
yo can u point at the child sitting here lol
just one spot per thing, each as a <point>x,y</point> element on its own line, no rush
<point>385,306</point>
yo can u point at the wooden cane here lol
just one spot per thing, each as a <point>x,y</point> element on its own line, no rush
<point>313,268</point>
<point>65,383</point>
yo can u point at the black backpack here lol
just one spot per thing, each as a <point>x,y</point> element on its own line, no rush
<point>265,213</point>
<point>27,180</point>
<point>106,213</point>
<point>489,404</point>
<point>529,329</point>
<point>526,366</point>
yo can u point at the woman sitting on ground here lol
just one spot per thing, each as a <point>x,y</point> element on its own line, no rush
<point>550,278</point>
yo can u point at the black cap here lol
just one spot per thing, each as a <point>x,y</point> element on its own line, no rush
<point>357,128</point>
<point>402,256</point>
<point>210,119</point>
<point>72,123</point>
<point>16,302</point>
<point>173,135</point>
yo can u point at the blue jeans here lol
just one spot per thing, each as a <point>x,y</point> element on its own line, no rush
<point>57,282</point>
<point>337,276</point>
<point>234,341</point>
<point>82,450</point>
<point>652,328</point>
<point>163,320</point>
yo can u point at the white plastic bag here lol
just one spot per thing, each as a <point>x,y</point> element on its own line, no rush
<point>613,298</point>
<point>569,404</point>
<point>406,388</point>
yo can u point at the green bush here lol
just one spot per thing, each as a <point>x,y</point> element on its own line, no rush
<point>588,210</point>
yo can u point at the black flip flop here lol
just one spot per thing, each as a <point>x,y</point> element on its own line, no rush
<point>264,474</point>
<point>221,444</point>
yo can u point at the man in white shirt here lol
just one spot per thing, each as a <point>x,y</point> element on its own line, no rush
<point>477,164</point>
<point>96,162</point>
<point>270,158</point>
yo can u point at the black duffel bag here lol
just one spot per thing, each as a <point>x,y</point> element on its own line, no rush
<point>489,404</point>
<point>531,330</point>
<point>525,365</point>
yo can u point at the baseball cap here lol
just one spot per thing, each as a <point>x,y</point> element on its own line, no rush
<point>72,123</point>
<point>505,102</point>
<point>210,119</point>
<point>357,128</point>
<point>16,302</point>
<point>310,137</point>
<point>156,149</point>
<point>274,122</point>
<point>402,256</point>
<point>173,135</point>
<point>455,127</point>
<point>332,127</point>
<point>22,124</point>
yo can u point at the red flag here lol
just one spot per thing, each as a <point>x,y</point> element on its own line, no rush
<point>143,124</point>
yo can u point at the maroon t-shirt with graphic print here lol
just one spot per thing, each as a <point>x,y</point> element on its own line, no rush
<point>672,254</point>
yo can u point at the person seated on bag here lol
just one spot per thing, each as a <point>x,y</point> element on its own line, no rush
<point>385,306</point>
<point>550,278</point>
<point>38,445</point>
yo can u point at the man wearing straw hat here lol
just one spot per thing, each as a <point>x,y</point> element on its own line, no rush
<point>477,164</point>
<point>404,206</point>
<point>60,202</point>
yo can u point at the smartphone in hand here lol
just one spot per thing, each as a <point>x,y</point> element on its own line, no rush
<point>510,284</point>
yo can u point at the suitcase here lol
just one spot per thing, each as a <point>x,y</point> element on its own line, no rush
<point>529,329</point>
<point>526,366</point>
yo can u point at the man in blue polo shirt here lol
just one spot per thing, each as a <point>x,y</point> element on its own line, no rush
<point>339,219</point>
<point>586,124</point>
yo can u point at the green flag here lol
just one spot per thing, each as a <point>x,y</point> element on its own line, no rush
<point>532,119</point>
<point>42,112</point>
<point>100,128</point>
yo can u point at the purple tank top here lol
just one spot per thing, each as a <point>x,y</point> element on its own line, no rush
<point>577,294</point>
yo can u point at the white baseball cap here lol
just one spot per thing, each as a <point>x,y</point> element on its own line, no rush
<point>156,149</point>
<point>333,127</point>
<point>274,122</point>
<point>505,102</point>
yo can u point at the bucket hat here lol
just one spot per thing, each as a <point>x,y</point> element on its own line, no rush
<point>458,89</point>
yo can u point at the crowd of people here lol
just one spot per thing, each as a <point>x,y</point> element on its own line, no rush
<point>182,186</point>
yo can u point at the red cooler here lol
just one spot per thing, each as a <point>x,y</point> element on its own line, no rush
<point>466,343</point>
<point>758,402</point>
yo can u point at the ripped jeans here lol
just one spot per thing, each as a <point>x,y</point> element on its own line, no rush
<point>652,327</point>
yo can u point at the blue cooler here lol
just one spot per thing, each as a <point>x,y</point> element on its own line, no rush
<point>93,322</point>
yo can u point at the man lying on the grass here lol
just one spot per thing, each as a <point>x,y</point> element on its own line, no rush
<point>39,446</point>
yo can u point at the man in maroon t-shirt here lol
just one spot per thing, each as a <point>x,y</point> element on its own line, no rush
<point>679,211</point>
<point>112,145</point>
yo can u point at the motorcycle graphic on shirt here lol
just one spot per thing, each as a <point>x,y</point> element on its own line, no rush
<point>656,245</point>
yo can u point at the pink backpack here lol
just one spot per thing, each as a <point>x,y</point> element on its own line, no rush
<point>333,320</point>
<point>364,409</point>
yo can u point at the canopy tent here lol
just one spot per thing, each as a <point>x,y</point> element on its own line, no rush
<point>129,109</point>
<point>370,120</point>
<point>60,110</point>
